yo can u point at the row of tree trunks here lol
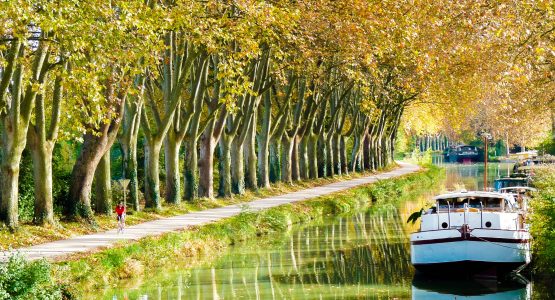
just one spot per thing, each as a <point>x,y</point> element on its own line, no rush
<point>437,142</point>
<point>289,147</point>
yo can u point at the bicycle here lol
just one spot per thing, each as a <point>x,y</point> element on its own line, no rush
<point>121,223</point>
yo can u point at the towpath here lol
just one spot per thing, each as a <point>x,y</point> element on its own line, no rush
<point>91,242</point>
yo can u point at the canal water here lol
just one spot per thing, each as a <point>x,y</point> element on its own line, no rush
<point>363,256</point>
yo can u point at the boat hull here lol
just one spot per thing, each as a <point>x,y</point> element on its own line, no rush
<point>468,268</point>
<point>483,251</point>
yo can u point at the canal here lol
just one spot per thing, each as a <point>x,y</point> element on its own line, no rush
<point>361,256</point>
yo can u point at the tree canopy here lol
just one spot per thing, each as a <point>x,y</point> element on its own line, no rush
<point>267,90</point>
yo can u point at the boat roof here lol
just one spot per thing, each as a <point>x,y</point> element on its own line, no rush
<point>466,194</point>
<point>518,188</point>
<point>512,178</point>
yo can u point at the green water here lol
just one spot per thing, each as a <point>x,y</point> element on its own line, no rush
<point>363,256</point>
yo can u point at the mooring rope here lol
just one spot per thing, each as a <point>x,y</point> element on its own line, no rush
<point>498,244</point>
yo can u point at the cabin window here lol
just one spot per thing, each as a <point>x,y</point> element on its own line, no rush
<point>493,203</point>
<point>486,203</point>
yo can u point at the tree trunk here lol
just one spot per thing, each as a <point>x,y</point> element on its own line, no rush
<point>42,171</point>
<point>336,145</point>
<point>263,162</point>
<point>313,156</point>
<point>375,159</point>
<point>251,160</point>
<point>391,150</point>
<point>355,154</point>
<point>330,170</point>
<point>343,149</point>
<point>295,160</point>
<point>366,152</point>
<point>552,125</point>
<point>303,158</point>
<point>371,151</point>
<point>42,175</point>
<point>15,118</point>
<point>82,177</point>
<point>225,166</point>
<point>9,187</point>
<point>191,170</point>
<point>128,142</point>
<point>173,180</point>
<point>152,175</point>
<point>103,186</point>
<point>206,166</point>
<point>286,160</point>
<point>130,172</point>
<point>237,168</point>
<point>274,162</point>
<point>322,153</point>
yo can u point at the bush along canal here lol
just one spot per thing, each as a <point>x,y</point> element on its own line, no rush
<point>543,232</point>
<point>131,268</point>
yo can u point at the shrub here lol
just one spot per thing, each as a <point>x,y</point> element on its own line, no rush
<point>543,222</point>
<point>22,279</point>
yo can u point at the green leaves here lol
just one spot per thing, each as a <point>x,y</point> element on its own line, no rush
<point>21,279</point>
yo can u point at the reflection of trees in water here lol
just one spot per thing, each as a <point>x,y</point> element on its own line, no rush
<point>381,257</point>
<point>471,176</point>
<point>365,256</point>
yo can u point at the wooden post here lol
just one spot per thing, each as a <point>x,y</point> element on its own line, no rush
<point>485,163</point>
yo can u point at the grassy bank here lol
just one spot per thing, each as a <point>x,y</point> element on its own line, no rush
<point>183,249</point>
<point>543,224</point>
<point>29,234</point>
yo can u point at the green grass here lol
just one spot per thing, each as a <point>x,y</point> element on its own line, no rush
<point>125,262</point>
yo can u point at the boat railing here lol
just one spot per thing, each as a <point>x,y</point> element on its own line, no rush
<point>465,206</point>
<point>481,215</point>
<point>437,205</point>
<point>449,214</point>
<point>466,209</point>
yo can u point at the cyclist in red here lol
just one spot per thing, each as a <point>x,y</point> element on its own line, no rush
<point>120,212</point>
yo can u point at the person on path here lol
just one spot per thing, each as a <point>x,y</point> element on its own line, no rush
<point>120,212</point>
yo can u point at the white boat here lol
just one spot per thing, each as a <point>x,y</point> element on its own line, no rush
<point>471,233</point>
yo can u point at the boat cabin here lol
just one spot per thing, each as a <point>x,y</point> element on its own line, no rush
<point>477,209</point>
<point>508,182</point>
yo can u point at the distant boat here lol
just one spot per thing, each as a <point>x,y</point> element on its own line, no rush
<point>513,181</point>
<point>471,233</point>
<point>529,166</point>
<point>461,153</point>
